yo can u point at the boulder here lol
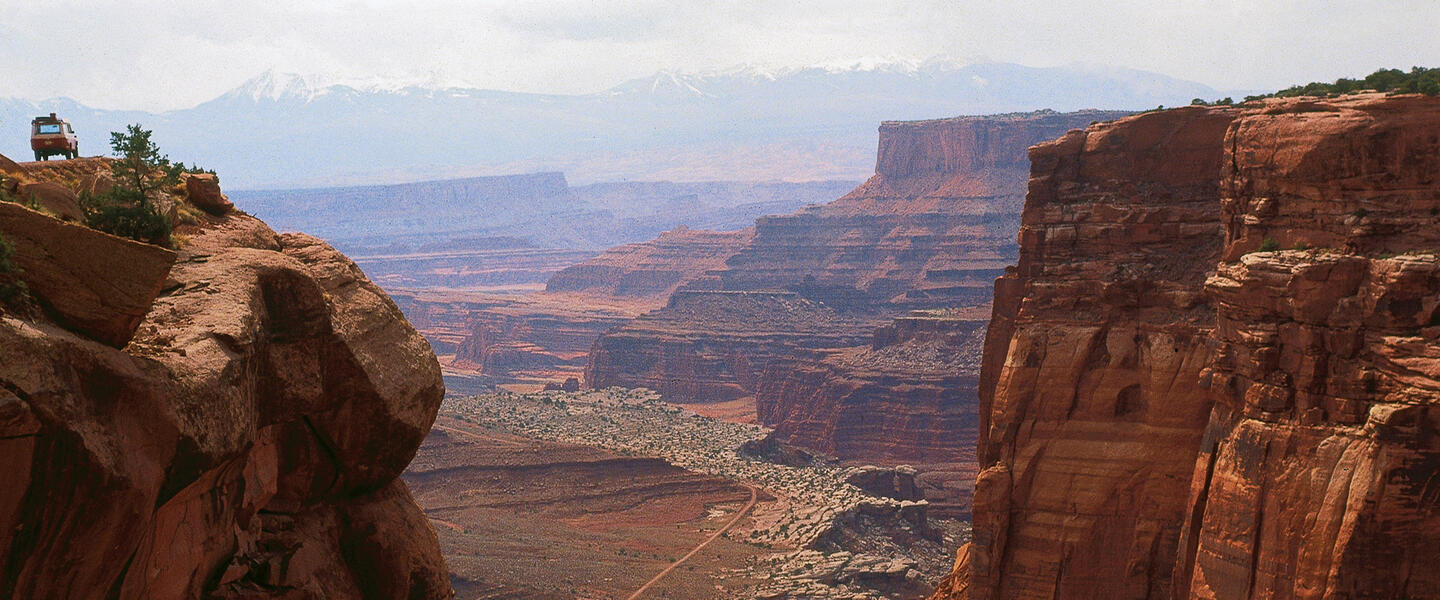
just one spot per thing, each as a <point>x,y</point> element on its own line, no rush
<point>203,190</point>
<point>92,283</point>
<point>245,443</point>
<point>53,198</point>
<point>897,482</point>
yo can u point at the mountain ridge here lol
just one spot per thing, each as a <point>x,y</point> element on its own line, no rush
<point>285,130</point>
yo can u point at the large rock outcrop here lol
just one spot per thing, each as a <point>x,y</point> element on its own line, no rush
<point>931,229</point>
<point>1173,406</point>
<point>244,442</point>
<point>1319,472</point>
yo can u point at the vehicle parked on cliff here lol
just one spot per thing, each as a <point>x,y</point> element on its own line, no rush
<point>52,136</point>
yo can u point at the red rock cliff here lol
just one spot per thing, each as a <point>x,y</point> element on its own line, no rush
<point>1319,472</point>
<point>240,438</point>
<point>1090,415</point>
<point>932,227</point>
<point>906,399</point>
<point>899,400</point>
<point>1169,413</point>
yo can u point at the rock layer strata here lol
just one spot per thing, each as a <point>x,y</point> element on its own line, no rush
<point>1213,372</point>
<point>931,229</point>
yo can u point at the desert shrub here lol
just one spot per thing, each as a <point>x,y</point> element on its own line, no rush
<point>135,220</point>
<point>1269,245</point>
<point>1418,80</point>
<point>180,168</point>
<point>12,289</point>
<point>140,166</point>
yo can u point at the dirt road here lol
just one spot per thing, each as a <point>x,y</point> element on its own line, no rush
<point>754,495</point>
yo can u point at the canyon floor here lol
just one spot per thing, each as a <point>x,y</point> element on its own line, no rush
<point>593,494</point>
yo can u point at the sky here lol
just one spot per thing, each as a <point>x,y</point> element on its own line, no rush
<point>168,54</point>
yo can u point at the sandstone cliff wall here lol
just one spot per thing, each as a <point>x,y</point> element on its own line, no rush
<point>1319,472</point>
<point>240,438</point>
<point>1208,376</point>
<point>900,400</point>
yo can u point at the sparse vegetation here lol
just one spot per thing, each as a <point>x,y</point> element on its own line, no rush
<point>135,220</point>
<point>12,289</point>
<point>1269,245</point>
<point>141,172</point>
<point>1418,80</point>
<point>141,167</point>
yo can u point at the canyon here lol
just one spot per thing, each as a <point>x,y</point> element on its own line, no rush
<point>908,399</point>
<point>930,230</point>
<point>224,419</point>
<point>1212,372</point>
<point>624,483</point>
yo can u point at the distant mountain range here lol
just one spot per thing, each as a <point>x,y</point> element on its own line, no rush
<point>281,130</point>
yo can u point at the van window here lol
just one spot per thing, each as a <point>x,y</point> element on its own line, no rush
<point>53,128</point>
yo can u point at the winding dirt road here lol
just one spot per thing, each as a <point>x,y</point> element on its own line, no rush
<point>754,495</point>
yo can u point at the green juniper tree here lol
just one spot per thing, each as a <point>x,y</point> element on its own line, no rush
<point>141,168</point>
<point>140,172</point>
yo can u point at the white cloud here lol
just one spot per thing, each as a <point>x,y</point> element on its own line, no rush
<point>159,54</point>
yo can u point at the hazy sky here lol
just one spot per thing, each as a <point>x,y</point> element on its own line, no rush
<point>160,54</point>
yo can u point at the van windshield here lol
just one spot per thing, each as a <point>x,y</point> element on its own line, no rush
<point>53,128</point>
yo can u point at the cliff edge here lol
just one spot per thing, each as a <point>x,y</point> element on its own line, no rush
<point>225,420</point>
<point>1213,372</point>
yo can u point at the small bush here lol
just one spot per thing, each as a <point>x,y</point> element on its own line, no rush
<point>1301,245</point>
<point>136,221</point>
<point>12,290</point>
<point>1269,245</point>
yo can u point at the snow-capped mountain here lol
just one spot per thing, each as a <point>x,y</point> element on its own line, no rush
<point>283,129</point>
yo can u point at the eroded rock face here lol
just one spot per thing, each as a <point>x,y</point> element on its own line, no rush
<point>1169,412</point>
<point>714,346</point>
<point>908,397</point>
<point>98,285</point>
<point>203,190</point>
<point>1317,475</point>
<point>1092,416</point>
<point>244,443</point>
<point>932,228</point>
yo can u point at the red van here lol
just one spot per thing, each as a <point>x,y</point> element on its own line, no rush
<point>51,136</point>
